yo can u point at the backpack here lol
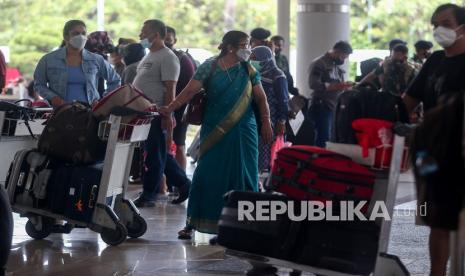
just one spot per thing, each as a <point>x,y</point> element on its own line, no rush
<point>194,61</point>
<point>180,54</point>
<point>71,134</point>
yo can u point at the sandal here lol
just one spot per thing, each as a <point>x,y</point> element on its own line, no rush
<point>185,234</point>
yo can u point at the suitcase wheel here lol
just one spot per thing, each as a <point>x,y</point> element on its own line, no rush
<point>137,228</point>
<point>39,234</point>
<point>114,236</point>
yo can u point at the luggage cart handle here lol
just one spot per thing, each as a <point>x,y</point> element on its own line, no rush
<point>403,129</point>
<point>126,111</point>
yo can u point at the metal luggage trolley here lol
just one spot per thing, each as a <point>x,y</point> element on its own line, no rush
<point>114,216</point>
<point>386,264</point>
<point>15,136</point>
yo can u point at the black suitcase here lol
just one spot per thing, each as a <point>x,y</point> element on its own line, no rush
<point>364,102</point>
<point>28,177</point>
<point>345,246</point>
<point>57,189</point>
<point>82,192</point>
<point>270,238</point>
<point>348,108</point>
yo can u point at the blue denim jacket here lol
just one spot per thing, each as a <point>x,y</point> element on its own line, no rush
<point>51,75</point>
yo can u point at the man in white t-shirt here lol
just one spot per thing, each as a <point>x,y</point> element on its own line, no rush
<point>157,74</point>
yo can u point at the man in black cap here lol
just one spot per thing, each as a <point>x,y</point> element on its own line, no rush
<point>395,42</point>
<point>422,52</point>
<point>259,37</point>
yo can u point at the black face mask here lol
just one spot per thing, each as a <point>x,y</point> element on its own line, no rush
<point>169,45</point>
<point>277,52</point>
<point>338,61</point>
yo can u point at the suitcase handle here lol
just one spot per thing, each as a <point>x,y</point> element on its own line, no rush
<point>93,196</point>
<point>338,264</point>
<point>314,155</point>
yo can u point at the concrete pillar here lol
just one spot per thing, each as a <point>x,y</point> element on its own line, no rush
<point>101,15</point>
<point>284,23</point>
<point>320,24</point>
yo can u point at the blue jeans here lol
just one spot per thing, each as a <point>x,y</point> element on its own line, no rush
<point>321,117</point>
<point>157,162</point>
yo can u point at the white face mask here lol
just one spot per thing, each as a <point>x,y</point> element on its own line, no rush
<point>244,54</point>
<point>146,43</point>
<point>445,36</point>
<point>78,41</point>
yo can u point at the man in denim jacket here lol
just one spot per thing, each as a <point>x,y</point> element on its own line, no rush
<point>71,73</point>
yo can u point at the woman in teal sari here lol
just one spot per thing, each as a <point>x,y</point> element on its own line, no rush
<point>228,136</point>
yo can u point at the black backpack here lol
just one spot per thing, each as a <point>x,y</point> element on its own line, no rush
<point>71,134</point>
<point>365,102</point>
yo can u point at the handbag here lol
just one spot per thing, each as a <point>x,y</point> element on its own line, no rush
<point>195,109</point>
<point>124,96</point>
<point>278,144</point>
<point>196,106</point>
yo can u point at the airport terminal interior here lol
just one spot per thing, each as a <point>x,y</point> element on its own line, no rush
<point>306,110</point>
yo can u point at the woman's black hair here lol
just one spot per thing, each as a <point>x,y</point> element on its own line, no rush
<point>232,38</point>
<point>133,53</point>
<point>71,24</point>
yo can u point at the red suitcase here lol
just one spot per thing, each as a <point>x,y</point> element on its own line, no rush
<point>313,173</point>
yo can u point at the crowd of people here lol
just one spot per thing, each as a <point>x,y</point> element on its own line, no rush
<point>248,87</point>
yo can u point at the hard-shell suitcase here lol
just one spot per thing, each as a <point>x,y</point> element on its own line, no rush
<point>57,189</point>
<point>312,173</point>
<point>273,238</point>
<point>345,246</point>
<point>82,191</point>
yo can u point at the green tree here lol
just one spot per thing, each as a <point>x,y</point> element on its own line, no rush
<point>32,28</point>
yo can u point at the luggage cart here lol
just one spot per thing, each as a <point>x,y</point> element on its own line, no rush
<point>15,135</point>
<point>386,264</point>
<point>114,216</point>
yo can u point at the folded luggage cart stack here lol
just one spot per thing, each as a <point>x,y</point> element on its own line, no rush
<point>15,134</point>
<point>112,215</point>
<point>385,188</point>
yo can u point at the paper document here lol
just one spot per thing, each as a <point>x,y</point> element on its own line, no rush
<point>297,122</point>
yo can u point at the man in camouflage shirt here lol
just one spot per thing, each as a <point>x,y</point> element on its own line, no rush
<point>395,73</point>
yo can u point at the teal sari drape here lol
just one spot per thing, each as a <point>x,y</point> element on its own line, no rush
<point>231,162</point>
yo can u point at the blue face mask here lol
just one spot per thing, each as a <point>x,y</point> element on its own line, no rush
<point>145,43</point>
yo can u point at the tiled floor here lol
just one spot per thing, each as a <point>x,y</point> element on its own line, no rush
<point>159,252</point>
